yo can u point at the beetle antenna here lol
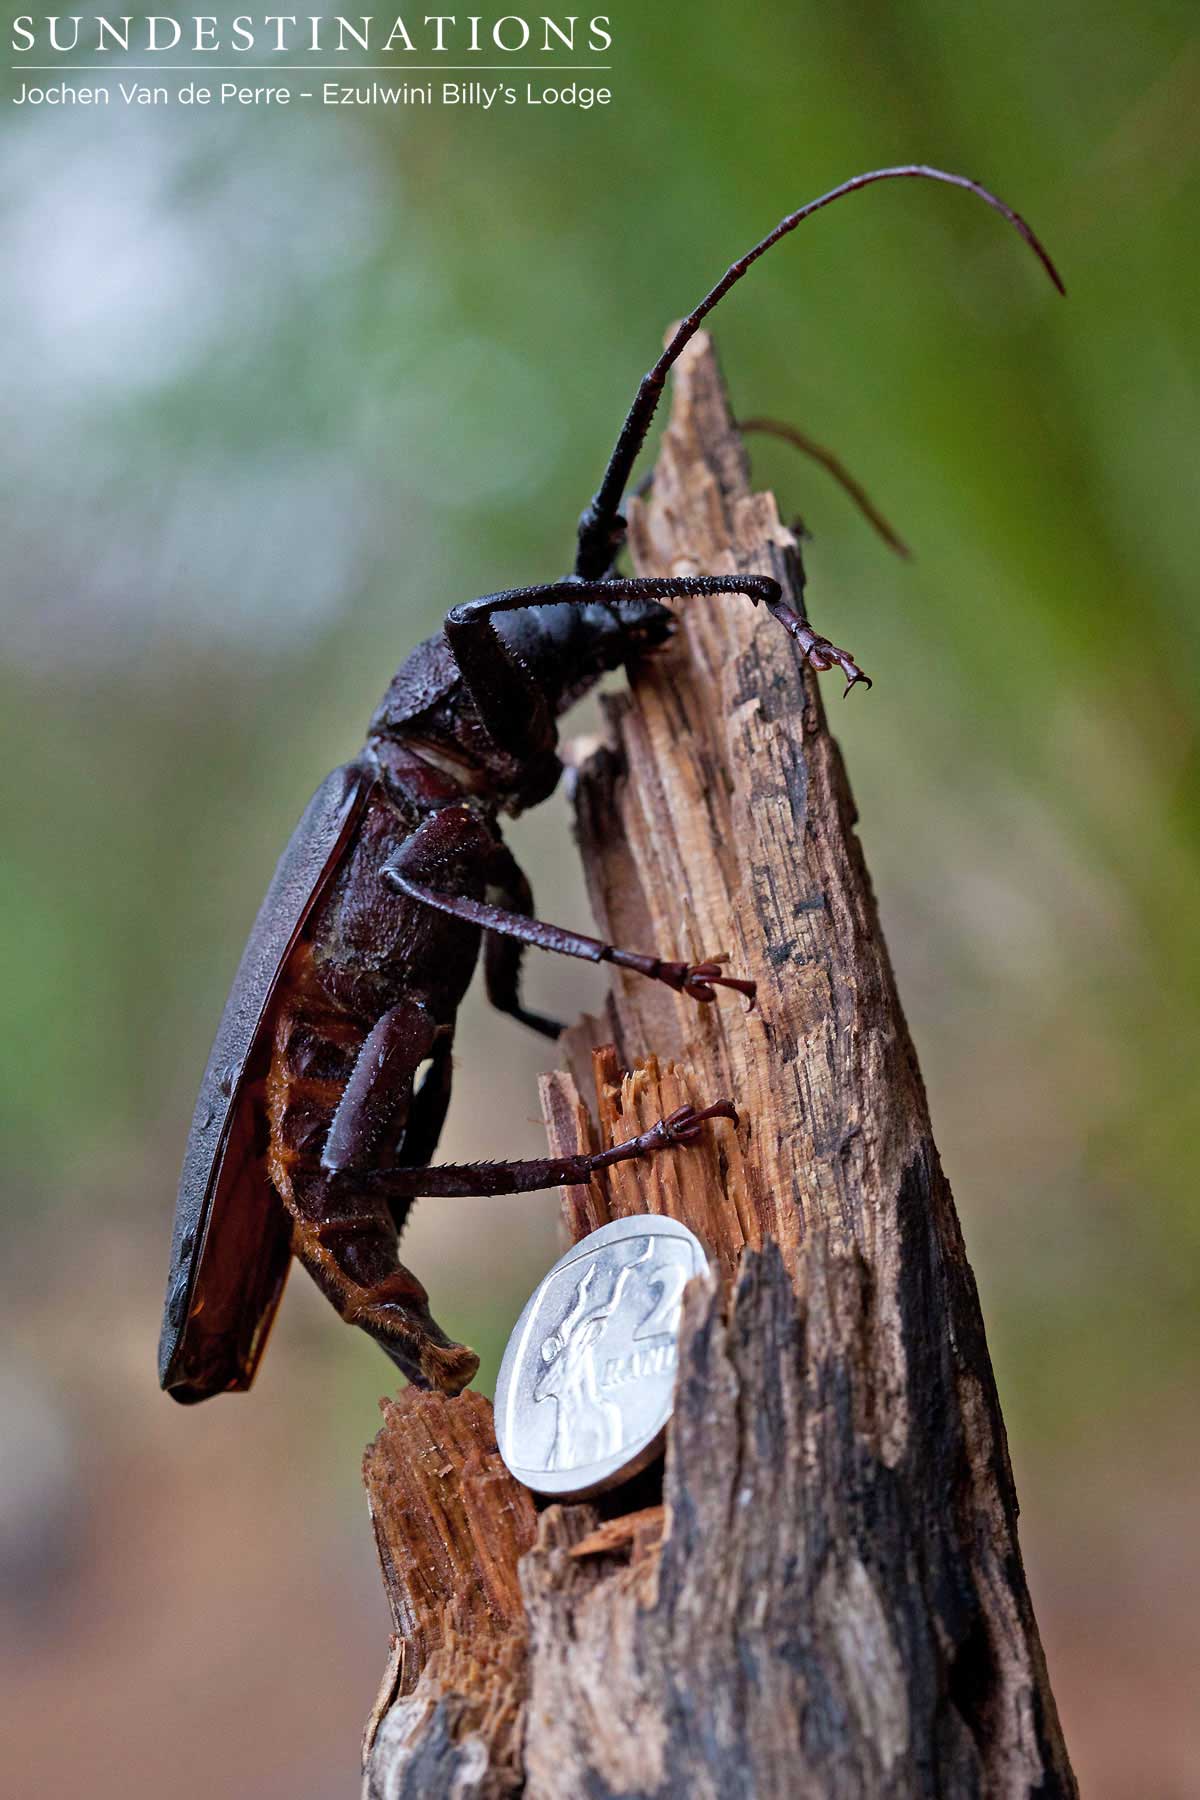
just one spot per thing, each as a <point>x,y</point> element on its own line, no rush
<point>601,526</point>
<point>791,434</point>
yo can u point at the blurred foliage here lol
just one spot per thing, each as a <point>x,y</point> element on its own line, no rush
<point>281,387</point>
<point>288,386</point>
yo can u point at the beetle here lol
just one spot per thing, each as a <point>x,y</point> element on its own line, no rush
<point>311,1136</point>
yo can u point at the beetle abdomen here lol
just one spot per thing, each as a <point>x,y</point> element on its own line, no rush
<point>312,1054</point>
<point>347,1238</point>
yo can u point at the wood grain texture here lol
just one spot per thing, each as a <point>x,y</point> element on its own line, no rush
<point>451,1525</point>
<point>827,1597</point>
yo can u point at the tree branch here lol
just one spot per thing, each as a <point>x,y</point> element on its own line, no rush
<point>825,1595</point>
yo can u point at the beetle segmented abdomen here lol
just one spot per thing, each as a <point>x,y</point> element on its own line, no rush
<point>314,1048</point>
<point>344,1234</point>
<point>313,1051</point>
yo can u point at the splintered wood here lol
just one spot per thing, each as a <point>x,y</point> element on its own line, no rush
<point>451,1525</point>
<point>705,1188</point>
<point>829,1599</point>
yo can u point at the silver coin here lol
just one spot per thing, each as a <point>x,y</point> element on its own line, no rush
<point>587,1382</point>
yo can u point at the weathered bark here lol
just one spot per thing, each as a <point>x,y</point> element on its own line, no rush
<point>450,1525</point>
<point>828,1597</point>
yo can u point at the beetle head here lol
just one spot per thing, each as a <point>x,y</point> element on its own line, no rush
<point>565,647</point>
<point>568,647</point>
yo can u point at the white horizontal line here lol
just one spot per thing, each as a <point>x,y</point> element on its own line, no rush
<point>282,68</point>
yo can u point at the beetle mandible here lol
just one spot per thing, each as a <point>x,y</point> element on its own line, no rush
<point>311,1137</point>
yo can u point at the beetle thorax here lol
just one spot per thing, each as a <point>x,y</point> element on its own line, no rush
<point>561,650</point>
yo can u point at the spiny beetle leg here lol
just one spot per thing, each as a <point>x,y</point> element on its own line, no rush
<point>697,980</point>
<point>678,1130</point>
<point>467,626</point>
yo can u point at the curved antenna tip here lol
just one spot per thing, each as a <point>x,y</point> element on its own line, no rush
<point>595,543</point>
<point>926,171</point>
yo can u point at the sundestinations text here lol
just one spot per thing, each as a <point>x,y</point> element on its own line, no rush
<point>436,34</point>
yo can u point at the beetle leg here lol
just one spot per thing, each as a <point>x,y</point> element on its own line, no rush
<point>427,1113</point>
<point>511,704</point>
<point>503,952</point>
<point>352,1259</point>
<point>343,1233</point>
<point>380,1094</point>
<point>680,1129</point>
<point>697,980</point>
<point>377,1094</point>
<point>515,712</point>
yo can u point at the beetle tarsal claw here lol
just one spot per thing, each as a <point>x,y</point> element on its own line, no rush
<point>823,655</point>
<point>819,652</point>
<point>682,1127</point>
<point>702,978</point>
<point>699,980</point>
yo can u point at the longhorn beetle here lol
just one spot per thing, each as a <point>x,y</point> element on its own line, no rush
<point>310,1136</point>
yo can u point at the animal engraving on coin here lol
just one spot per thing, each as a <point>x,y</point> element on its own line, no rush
<point>587,1425</point>
<point>587,1382</point>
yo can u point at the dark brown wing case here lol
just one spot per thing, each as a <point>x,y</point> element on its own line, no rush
<point>229,1255</point>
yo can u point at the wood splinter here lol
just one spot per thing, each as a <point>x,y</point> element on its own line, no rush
<point>830,1598</point>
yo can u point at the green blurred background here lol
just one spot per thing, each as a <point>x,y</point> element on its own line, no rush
<point>279,389</point>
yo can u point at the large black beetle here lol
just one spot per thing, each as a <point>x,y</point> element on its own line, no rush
<point>311,1137</point>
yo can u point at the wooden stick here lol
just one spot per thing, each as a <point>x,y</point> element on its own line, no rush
<point>827,1597</point>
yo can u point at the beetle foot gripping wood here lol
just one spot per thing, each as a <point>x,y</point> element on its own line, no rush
<point>827,1596</point>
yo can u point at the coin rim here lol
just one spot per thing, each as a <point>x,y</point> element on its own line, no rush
<point>577,1484</point>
